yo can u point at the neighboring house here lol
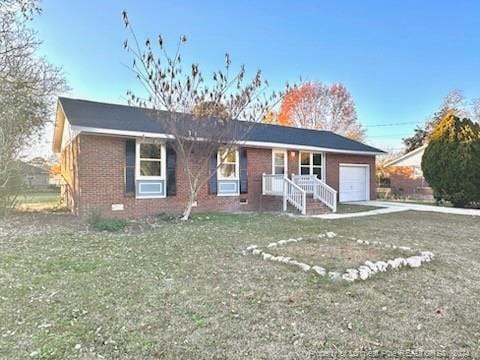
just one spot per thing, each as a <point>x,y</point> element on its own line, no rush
<point>34,177</point>
<point>55,180</point>
<point>100,147</point>
<point>406,176</point>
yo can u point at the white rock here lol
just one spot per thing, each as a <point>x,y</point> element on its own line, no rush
<point>301,265</point>
<point>299,238</point>
<point>427,255</point>
<point>351,274</point>
<point>381,265</point>
<point>364,271</point>
<point>414,261</point>
<point>366,242</point>
<point>406,248</point>
<point>304,266</point>
<point>321,235</point>
<point>360,241</point>
<point>256,252</point>
<point>271,245</point>
<point>267,256</point>
<point>282,242</point>
<point>333,275</point>
<point>291,240</point>
<point>349,277</point>
<point>372,266</point>
<point>331,234</point>
<point>395,263</point>
<point>251,247</point>
<point>319,270</point>
<point>78,346</point>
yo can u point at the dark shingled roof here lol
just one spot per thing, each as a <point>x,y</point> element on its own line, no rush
<point>129,118</point>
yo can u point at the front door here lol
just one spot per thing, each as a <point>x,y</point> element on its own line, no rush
<point>279,167</point>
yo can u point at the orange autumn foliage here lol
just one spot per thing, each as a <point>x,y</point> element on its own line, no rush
<point>314,105</point>
<point>291,99</point>
<point>55,170</point>
<point>406,171</point>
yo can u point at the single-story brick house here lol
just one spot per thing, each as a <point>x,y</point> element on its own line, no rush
<point>117,159</point>
<point>406,175</point>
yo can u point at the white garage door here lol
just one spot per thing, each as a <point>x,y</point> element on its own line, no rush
<point>353,183</point>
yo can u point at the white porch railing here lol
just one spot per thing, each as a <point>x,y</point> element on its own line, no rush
<point>295,195</point>
<point>305,182</point>
<point>280,185</point>
<point>272,184</point>
<point>325,194</point>
<point>320,190</point>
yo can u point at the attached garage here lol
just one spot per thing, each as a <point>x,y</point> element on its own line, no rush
<point>354,182</point>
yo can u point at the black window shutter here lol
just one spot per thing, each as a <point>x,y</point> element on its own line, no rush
<point>212,183</point>
<point>243,171</point>
<point>130,166</point>
<point>171,171</point>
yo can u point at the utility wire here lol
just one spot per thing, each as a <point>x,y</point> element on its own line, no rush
<point>392,124</point>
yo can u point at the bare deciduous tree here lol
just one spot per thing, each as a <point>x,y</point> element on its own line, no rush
<point>27,88</point>
<point>456,103</point>
<point>202,114</point>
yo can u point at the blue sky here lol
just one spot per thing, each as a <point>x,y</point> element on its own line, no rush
<point>397,58</point>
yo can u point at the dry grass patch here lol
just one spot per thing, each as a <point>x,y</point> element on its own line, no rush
<point>336,254</point>
<point>185,291</point>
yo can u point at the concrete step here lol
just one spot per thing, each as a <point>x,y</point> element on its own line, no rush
<point>316,207</point>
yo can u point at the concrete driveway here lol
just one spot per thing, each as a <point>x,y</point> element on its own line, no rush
<point>420,207</point>
<point>387,207</point>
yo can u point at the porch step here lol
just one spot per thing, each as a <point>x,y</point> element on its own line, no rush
<point>316,207</point>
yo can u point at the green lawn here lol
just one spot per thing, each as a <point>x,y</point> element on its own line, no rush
<point>185,290</point>
<point>38,200</point>
<point>349,208</point>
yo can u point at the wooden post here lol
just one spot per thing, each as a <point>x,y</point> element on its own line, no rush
<point>263,184</point>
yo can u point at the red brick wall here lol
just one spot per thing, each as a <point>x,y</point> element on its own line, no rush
<point>101,179</point>
<point>100,161</point>
<point>410,186</point>
<point>333,168</point>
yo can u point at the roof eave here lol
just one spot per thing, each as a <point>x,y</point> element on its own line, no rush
<point>259,144</point>
<point>58,128</point>
<point>404,156</point>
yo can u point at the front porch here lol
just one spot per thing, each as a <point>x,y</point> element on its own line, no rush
<point>305,193</point>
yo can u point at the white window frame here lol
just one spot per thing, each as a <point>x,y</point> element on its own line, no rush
<point>162,160</point>
<point>310,163</point>
<point>237,185</point>
<point>285,160</point>
<point>220,163</point>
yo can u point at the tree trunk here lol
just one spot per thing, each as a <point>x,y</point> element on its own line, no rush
<point>188,207</point>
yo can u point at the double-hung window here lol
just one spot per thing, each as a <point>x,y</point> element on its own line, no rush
<point>151,160</point>
<point>151,169</point>
<point>228,172</point>
<point>311,164</point>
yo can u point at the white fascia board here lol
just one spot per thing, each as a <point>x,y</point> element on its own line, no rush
<point>405,156</point>
<point>100,131</point>
<point>258,144</point>
<point>261,144</point>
